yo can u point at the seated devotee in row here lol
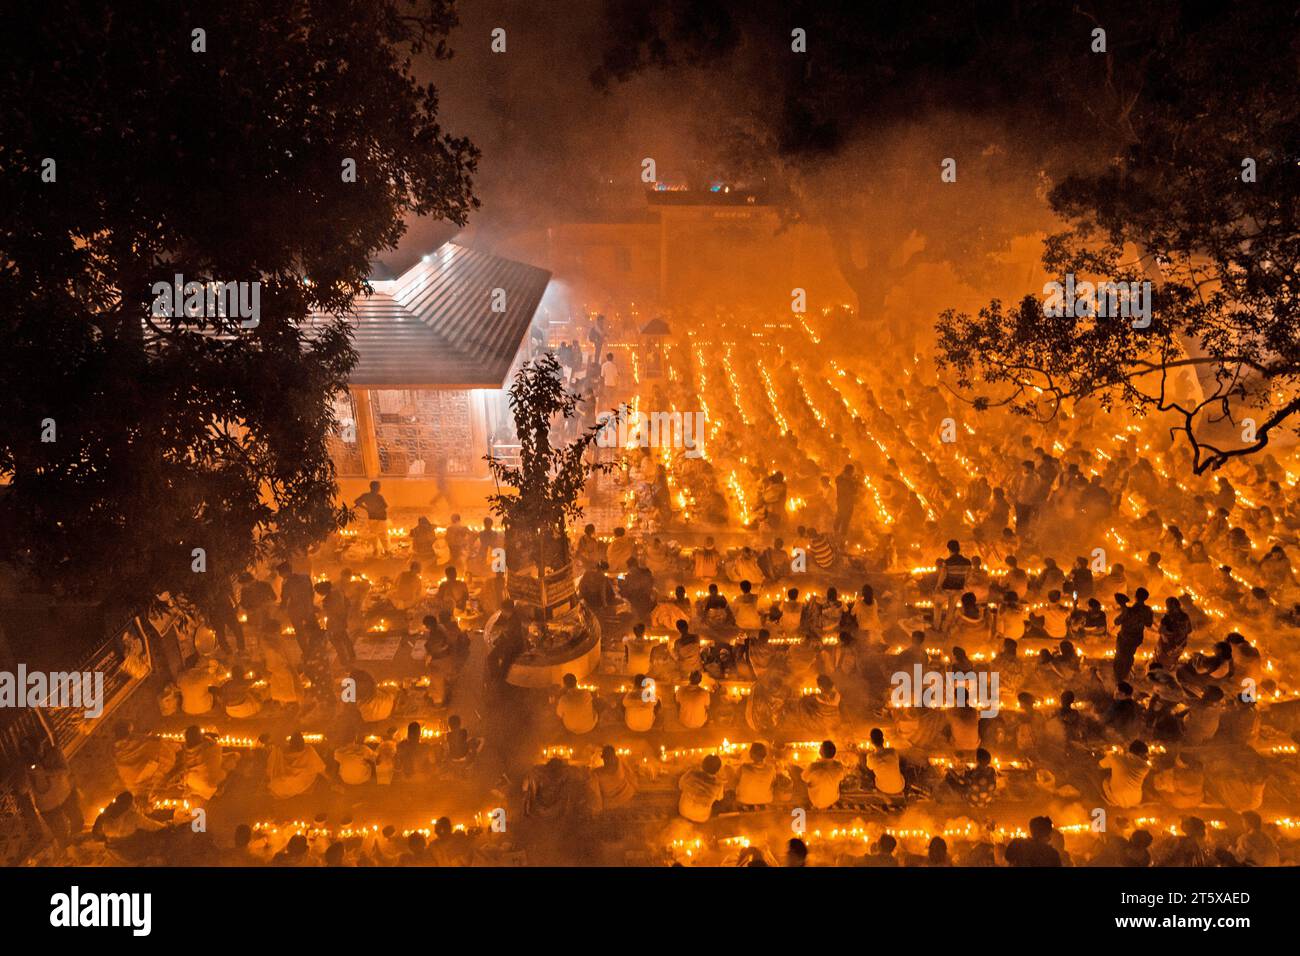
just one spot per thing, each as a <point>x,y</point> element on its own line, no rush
<point>356,762</point>
<point>637,649</point>
<point>1128,770</point>
<point>823,778</point>
<point>576,707</point>
<point>641,705</point>
<point>126,830</point>
<point>201,764</point>
<point>758,778</point>
<point>414,759</point>
<point>615,780</point>
<point>452,593</point>
<point>292,770</point>
<point>977,785</point>
<point>197,685</point>
<point>408,589</point>
<point>671,610</point>
<point>693,702</point>
<point>621,547</point>
<point>142,760</point>
<point>1037,848</point>
<point>883,762</point>
<point>700,790</point>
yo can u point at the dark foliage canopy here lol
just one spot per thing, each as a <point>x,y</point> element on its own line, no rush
<point>218,156</point>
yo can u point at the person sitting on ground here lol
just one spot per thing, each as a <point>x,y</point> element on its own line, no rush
<point>1056,616</point>
<point>820,710</point>
<point>1255,847</point>
<point>197,686</point>
<point>668,612</point>
<point>641,705</point>
<point>596,588</point>
<point>1037,849</point>
<point>637,588</point>
<point>620,549</point>
<point>700,790</point>
<point>693,703</point>
<point>882,854</point>
<point>685,649</point>
<point>292,770</point>
<point>792,611</point>
<point>884,765</point>
<point>936,853</point>
<point>1183,785</point>
<point>614,779</point>
<point>964,727</point>
<point>823,778</point>
<point>706,560</point>
<point>714,611</point>
<point>1128,769</point>
<point>796,853</point>
<point>978,785</point>
<point>452,594</point>
<point>576,707</point>
<point>756,778</point>
<point>127,832</point>
<point>141,759</point>
<point>201,763</point>
<point>356,762</point>
<point>408,589</point>
<point>745,608</point>
<point>414,758</point>
<point>638,649</point>
<point>744,566</point>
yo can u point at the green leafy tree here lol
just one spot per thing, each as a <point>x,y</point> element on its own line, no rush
<point>133,149</point>
<point>545,487</point>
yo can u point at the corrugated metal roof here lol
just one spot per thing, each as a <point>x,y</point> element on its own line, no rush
<point>434,326</point>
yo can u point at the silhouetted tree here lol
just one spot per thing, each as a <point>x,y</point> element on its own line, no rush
<point>1203,202</point>
<point>211,141</point>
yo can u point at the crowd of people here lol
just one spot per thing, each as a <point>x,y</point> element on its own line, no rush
<point>862,625</point>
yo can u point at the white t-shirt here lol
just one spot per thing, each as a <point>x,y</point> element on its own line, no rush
<point>354,762</point>
<point>823,779</point>
<point>755,783</point>
<point>638,714</point>
<point>700,791</point>
<point>638,654</point>
<point>609,373</point>
<point>693,706</point>
<point>884,764</point>
<point>575,711</point>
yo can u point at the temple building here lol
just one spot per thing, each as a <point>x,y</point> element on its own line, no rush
<point>426,401</point>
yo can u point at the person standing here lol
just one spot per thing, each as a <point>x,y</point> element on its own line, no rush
<point>48,781</point>
<point>847,488</point>
<point>376,507</point>
<point>1132,623</point>
<point>609,373</point>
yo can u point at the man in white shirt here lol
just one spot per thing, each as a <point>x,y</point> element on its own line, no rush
<point>756,779</point>
<point>575,708</point>
<point>1128,770</point>
<point>693,703</point>
<point>639,649</point>
<point>609,372</point>
<point>823,778</point>
<point>640,705</point>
